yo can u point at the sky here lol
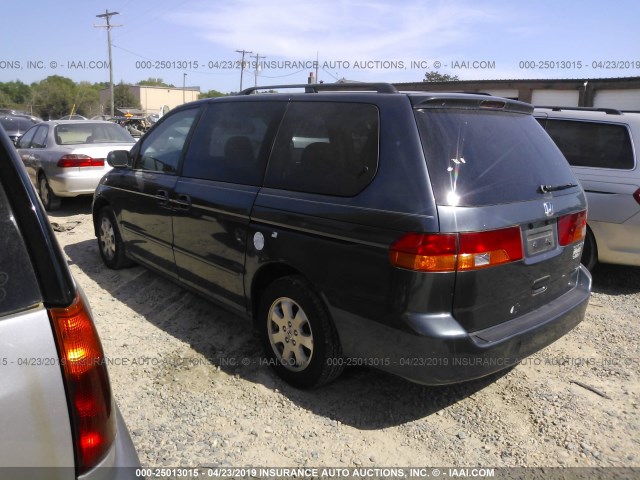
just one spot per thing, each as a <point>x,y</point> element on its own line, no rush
<point>196,43</point>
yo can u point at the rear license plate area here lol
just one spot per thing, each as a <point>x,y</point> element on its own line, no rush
<point>540,239</point>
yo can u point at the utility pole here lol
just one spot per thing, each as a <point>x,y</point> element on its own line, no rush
<point>107,16</point>
<point>255,73</point>
<point>243,52</point>
<point>184,79</point>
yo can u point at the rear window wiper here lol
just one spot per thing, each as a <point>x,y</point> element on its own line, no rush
<point>555,188</point>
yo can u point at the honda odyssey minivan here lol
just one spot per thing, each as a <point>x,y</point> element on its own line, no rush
<point>435,236</point>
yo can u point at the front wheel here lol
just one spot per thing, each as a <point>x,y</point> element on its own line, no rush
<point>299,338</point>
<point>110,242</point>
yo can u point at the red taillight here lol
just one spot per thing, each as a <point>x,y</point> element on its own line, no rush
<point>636,195</point>
<point>572,228</point>
<point>425,252</point>
<point>486,249</point>
<point>87,381</point>
<point>464,251</point>
<point>77,160</point>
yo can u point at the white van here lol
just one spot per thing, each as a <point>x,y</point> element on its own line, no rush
<point>602,145</point>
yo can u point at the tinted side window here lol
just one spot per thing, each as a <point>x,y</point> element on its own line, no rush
<point>40,138</point>
<point>18,285</point>
<point>162,148</point>
<point>592,144</point>
<point>326,148</point>
<point>232,141</point>
<point>25,140</point>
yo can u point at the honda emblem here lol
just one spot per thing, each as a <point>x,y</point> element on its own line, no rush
<point>548,208</point>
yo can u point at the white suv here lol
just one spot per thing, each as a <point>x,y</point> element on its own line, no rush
<point>602,145</point>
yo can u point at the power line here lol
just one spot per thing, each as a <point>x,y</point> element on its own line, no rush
<point>107,16</point>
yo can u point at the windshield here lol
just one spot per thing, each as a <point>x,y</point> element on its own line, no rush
<point>90,133</point>
<point>485,157</point>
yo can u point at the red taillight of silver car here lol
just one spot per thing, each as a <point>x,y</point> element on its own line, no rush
<point>78,160</point>
<point>86,381</point>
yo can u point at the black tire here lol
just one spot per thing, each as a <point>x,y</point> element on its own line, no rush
<point>304,350</point>
<point>110,242</point>
<point>50,200</point>
<point>589,251</point>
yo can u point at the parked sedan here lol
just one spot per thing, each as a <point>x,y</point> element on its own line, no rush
<point>57,406</point>
<point>66,158</point>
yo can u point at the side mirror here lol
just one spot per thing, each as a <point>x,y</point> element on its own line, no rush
<point>118,158</point>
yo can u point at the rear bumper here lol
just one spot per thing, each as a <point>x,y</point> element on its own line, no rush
<point>72,182</point>
<point>436,350</point>
<point>618,242</point>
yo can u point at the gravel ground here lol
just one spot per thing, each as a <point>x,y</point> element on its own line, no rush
<point>189,381</point>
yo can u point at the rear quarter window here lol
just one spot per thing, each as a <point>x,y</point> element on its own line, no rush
<point>25,140</point>
<point>19,288</point>
<point>593,144</point>
<point>478,158</point>
<point>329,148</point>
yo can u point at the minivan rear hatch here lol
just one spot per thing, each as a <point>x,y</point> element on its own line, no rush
<point>511,201</point>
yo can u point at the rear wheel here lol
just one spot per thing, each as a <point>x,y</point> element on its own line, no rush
<point>298,335</point>
<point>110,242</point>
<point>589,251</point>
<point>50,200</point>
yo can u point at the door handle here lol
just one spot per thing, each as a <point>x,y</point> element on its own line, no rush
<point>183,202</point>
<point>163,197</point>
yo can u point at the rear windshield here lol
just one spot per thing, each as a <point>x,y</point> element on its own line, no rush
<point>87,133</point>
<point>12,124</point>
<point>484,157</point>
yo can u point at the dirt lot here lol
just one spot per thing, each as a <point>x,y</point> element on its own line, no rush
<point>188,379</point>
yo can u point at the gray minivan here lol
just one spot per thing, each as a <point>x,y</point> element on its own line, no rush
<point>434,236</point>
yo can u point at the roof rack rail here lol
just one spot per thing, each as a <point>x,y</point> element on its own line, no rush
<point>608,111</point>
<point>318,87</point>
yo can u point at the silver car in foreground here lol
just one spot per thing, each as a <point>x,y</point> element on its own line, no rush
<point>58,417</point>
<point>602,146</point>
<point>66,158</point>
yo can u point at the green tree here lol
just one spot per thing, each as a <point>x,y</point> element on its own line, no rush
<point>54,96</point>
<point>211,94</point>
<point>439,77</point>
<point>123,97</point>
<point>16,93</point>
<point>5,100</point>
<point>87,99</point>
<point>154,82</point>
